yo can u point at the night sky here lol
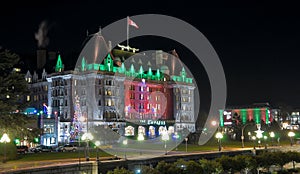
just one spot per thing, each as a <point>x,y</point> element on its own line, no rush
<point>258,44</point>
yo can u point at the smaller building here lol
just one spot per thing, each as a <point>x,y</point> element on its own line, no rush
<point>260,113</point>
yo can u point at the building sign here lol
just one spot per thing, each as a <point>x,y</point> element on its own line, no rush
<point>227,117</point>
<point>153,122</point>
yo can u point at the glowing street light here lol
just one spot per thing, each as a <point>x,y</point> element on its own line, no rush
<point>165,137</point>
<point>254,139</point>
<point>272,135</point>
<point>5,139</point>
<point>140,138</point>
<point>259,135</point>
<point>186,139</point>
<point>125,142</point>
<point>87,137</point>
<point>291,135</point>
<point>97,143</point>
<point>219,136</point>
<point>265,139</point>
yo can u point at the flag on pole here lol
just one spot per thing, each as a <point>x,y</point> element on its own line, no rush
<point>130,22</point>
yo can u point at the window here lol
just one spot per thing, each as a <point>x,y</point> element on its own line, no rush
<point>99,103</point>
<point>28,98</point>
<point>75,82</point>
<point>131,87</point>
<point>141,97</point>
<point>99,91</point>
<point>132,96</point>
<point>99,82</point>
<point>66,102</point>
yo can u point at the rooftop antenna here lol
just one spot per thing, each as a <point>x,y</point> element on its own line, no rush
<point>100,30</point>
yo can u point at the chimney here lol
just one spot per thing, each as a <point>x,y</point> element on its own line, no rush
<point>41,58</point>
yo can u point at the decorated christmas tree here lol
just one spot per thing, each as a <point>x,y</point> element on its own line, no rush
<point>76,125</point>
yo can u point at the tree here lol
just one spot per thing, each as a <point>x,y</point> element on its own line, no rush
<point>210,166</point>
<point>227,163</point>
<point>147,169</point>
<point>166,168</point>
<point>120,171</point>
<point>13,88</point>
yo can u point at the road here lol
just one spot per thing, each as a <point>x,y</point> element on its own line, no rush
<point>18,165</point>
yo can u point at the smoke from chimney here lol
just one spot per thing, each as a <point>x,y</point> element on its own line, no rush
<point>41,35</point>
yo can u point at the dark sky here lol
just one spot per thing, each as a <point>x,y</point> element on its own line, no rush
<point>258,44</point>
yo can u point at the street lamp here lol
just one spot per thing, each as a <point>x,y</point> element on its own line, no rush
<point>219,136</point>
<point>165,137</point>
<point>97,143</point>
<point>125,142</point>
<point>259,135</point>
<point>87,137</point>
<point>272,135</point>
<point>186,139</point>
<point>5,139</point>
<point>254,139</point>
<point>140,138</point>
<point>291,135</point>
<point>265,139</point>
<point>176,136</point>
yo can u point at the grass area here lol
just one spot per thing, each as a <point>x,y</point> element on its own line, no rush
<point>58,155</point>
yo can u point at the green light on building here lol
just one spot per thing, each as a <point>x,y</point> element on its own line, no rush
<point>244,115</point>
<point>221,118</point>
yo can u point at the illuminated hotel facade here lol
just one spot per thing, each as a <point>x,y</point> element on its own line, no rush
<point>127,98</point>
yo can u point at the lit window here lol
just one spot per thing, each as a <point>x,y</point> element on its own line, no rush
<point>28,98</point>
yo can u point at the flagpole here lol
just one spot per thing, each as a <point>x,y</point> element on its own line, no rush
<point>127,31</point>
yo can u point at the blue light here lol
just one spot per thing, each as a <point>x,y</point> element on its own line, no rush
<point>138,171</point>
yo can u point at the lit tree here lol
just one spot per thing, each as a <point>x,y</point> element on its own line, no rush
<point>13,88</point>
<point>76,124</point>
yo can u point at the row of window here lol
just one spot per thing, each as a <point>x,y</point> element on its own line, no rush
<point>183,107</point>
<point>145,88</point>
<point>183,91</point>
<point>39,89</point>
<point>144,97</point>
<point>59,82</point>
<point>59,92</point>
<point>183,99</point>
<point>56,103</point>
<point>155,107</point>
<point>36,98</point>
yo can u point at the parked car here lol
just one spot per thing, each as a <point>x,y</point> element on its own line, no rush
<point>66,147</point>
<point>22,149</point>
<point>42,148</point>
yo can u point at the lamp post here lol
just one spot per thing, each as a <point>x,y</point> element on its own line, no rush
<point>186,139</point>
<point>5,139</point>
<point>165,137</point>
<point>125,142</point>
<point>243,137</point>
<point>97,143</point>
<point>140,138</point>
<point>265,139</point>
<point>87,137</point>
<point>259,135</point>
<point>176,136</point>
<point>291,135</point>
<point>272,135</point>
<point>219,136</point>
<point>254,139</point>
